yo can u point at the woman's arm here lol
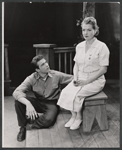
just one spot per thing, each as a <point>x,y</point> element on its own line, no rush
<point>99,73</point>
<point>75,71</point>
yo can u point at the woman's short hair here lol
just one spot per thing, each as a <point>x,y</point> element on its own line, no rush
<point>93,22</point>
<point>35,61</point>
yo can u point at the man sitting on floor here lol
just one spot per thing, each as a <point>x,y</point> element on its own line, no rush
<point>45,84</point>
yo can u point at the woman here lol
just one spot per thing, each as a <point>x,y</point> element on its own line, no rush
<point>91,61</point>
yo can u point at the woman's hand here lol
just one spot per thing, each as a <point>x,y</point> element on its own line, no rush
<point>75,83</point>
<point>82,82</point>
<point>30,111</point>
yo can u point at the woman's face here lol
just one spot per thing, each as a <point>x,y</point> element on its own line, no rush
<point>88,31</point>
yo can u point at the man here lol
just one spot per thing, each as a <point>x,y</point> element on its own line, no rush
<point>45,84</point>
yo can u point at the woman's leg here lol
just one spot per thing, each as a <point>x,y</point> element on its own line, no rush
<point>78,119</point>
<point>85,91</point>
<point>72,119</point>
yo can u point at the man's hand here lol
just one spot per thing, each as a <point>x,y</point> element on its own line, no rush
<point>30,111</point>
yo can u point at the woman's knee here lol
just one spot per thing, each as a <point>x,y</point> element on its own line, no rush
<point>79,98</point>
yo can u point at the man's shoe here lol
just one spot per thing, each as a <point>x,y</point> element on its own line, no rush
<point>21,135</point>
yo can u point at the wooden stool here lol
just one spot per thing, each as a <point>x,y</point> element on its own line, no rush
<point>95,107</point>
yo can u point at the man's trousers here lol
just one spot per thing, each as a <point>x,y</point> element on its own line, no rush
<point>48,107</point>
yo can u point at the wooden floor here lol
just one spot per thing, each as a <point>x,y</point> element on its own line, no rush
<point>59,136</point>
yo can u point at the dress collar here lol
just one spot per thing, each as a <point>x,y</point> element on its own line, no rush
<point>83,44</point>
<point>94,43</point>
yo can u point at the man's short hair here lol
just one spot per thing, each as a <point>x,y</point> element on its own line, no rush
<point>35,61</point>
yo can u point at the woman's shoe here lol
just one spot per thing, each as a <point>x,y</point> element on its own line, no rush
<point>76,124</point>
<point>70,122</point>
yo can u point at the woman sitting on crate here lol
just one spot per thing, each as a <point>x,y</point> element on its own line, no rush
<point>91,61</point>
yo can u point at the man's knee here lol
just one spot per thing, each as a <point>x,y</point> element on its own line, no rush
<point>46,121</point>
<point>43,122</point>
<point>49,122</point>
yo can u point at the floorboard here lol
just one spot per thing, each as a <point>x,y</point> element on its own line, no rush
<point>32,138</point>
<point>93,144</point>
<point>101,140</point>
<point>90,143</point>
<point>115,131</point>
<point>111,139</point>
<point>58,136</point>
<point>56,140</point>
<point>74,134</point>
<point>64,134</point>
<point>45,138</point>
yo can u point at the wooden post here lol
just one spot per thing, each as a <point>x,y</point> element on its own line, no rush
<point>6,72</point>
<point>47,50</point>
<point>88,9</point>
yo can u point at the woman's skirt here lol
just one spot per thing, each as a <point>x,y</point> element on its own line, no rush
<point>72,97</point>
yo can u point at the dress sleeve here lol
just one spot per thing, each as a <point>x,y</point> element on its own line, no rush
<point>75,57</point>
<point>104,56</point>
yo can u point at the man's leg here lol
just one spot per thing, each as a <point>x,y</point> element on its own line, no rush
<point>50,112</point>
<point>21,110</point>
<point>21,116</point>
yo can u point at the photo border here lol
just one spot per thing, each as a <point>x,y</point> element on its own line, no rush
<point>2,69</point>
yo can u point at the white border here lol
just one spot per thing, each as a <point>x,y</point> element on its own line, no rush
<point>2,74</point>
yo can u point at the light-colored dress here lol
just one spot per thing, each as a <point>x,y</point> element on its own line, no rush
<point>89,63</point>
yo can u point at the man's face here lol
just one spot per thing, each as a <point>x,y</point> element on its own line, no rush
<point>43,66</point>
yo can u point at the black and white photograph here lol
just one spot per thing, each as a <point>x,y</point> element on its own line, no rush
<point>60,74</point>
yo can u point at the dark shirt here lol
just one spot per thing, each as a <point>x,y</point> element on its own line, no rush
<point>48,89</point>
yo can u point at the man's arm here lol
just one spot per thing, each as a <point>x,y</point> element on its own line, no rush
<point>65,78</point>
<point>20,95</point>
<point>30,110</point>
<point>24,87</point>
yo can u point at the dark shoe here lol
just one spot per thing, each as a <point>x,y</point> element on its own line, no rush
<point>21,135</point>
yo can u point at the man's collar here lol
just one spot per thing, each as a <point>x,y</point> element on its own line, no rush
<point>49,74</point>
<point>37,75</point>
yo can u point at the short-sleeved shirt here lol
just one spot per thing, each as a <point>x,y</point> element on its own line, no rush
<point>48,89</point>
<point>96,56</point>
